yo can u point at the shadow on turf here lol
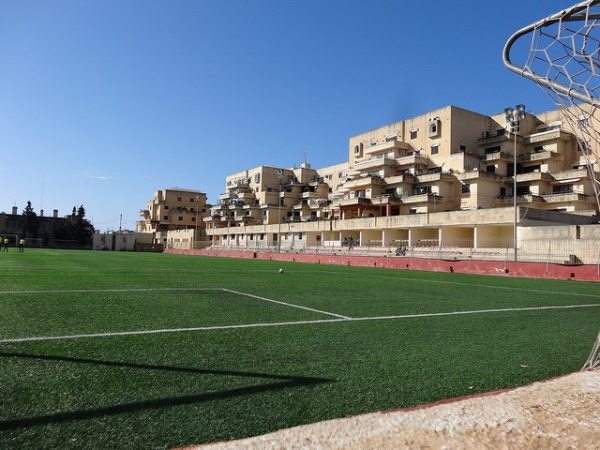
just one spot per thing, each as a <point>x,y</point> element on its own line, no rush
<point>284,383</point>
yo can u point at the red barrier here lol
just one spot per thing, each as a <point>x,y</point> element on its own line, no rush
<point>509,269</point>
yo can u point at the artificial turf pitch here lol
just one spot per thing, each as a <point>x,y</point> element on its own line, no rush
<point>132,350</point>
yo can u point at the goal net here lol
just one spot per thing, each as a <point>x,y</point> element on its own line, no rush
<point>33,242</point>
<point>563,58</point>
<point>13,240</point>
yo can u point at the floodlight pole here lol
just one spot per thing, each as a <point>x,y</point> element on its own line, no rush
<point>196,232</point>
<point>279,178</point>
<point>513,117</point>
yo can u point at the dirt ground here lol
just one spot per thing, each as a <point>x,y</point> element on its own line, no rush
<point>562,413</point>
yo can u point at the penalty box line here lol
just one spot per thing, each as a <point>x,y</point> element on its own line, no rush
<point>280,324</point>
<point>291,305</point>
<point>83,291</point>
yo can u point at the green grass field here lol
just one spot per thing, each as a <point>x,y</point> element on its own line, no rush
<point>130,350</point>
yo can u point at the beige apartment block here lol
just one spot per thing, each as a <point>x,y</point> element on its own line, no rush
<point>174,209</point>
<point>402,180</point>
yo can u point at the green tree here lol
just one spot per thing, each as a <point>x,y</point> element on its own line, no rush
<point>81,229</point>
<point>30,223</point>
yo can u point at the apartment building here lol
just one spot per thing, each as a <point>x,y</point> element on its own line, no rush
<point>174,209</point>
<point>445,176</point>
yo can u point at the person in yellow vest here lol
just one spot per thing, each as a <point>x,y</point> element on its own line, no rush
<point>5,249</point>
<point>21,244</point>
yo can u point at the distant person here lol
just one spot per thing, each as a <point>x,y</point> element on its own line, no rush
<point>5,248</point>
<point>21,245</point>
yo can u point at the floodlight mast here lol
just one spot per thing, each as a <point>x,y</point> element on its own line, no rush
<point>574,13</point>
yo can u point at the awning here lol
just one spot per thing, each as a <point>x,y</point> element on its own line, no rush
<point>566,181</point>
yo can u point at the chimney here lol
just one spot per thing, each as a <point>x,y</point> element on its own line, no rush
<point>55,213</point>
<point>41,213</point>
<point>14,210</point>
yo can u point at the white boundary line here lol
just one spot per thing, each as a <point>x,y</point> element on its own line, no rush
<point>288,304</point>
<point>279,324</point>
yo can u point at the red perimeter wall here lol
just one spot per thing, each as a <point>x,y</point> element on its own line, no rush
<point>507,269</point>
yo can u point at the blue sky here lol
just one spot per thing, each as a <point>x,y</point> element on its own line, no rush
<point>103,102</point>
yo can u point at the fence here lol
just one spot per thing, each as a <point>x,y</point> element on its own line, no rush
<point>549,251</point>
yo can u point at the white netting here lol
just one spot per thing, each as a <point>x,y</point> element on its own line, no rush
<point>564,59</point>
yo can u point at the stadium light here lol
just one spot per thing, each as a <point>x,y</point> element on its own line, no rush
<point>279,178</point>
<point>513,117</point>
<point>196,232</point>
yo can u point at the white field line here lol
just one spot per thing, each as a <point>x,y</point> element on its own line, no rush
<point>288,304</point>
<point>279,324</point>
<point>457,283</point>
<point>79,291</point>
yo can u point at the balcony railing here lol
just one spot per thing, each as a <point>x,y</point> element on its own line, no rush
<point>387,147</point>
<point>375,162</point>
<point>497,156</point>
<point>547,135</point>
<point>539,156</point>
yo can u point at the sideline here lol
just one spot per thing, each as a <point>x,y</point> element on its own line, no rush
<point>279,324</point>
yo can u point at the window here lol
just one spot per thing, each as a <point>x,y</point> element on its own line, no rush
<point>165,217</point>
<point>433,128</point>
<point>466,188</point>
<point>462,148</point>
<point>435,149</point>
<point>179,198</point>
<point>192,199</point>
<point>413,133</point>
<point>166,206</point>
<point>180,217</point>
<point>562,189</point>
<point>256,177</point>
<point>491,169</point>
<point>358,150</point>
<point>193,219</point>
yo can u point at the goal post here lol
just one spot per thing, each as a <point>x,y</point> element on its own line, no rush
<point>33,242</point>
<point>13,239</point>
<point>65,243</point>
<point>563,59</point>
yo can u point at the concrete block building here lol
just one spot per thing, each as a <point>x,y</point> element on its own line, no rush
<point>445,178</point>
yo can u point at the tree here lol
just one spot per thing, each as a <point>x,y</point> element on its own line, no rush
<point>82,229</point>
<point>30,222</point>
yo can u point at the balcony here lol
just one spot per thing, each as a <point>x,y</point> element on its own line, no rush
<point>387,146</point>
<point>547,136</point>
<point>496,137</point>
<point>540,156</point>
<point>419,198</point>
<point>521,199</point>
<point>398,179</point>
<point>374,163</point>
<point>412,159</point>
<point>477,174</point>
<point>568,197</point>
<point>363,182</point>
<point>497,156</point>
<point>533,176</point>
<point>309,195</point>
<point>429,177</point>
<point>569,174</point>
<point>355,201</point>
